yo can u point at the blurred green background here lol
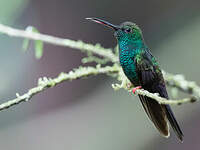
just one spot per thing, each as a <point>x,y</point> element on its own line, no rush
<point>88,114</point>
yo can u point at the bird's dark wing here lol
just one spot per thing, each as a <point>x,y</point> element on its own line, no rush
<point>151,79</point>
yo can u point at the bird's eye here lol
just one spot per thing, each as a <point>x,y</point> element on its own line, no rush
<point>128,30</point>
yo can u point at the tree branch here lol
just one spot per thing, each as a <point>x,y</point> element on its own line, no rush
<point>45,83</point>
<point>85,47</point>
<point>177,81</point>
<point>182,84</point>
<point>162,100</point>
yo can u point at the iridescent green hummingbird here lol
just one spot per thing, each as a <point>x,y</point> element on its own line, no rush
<point>143,71</point>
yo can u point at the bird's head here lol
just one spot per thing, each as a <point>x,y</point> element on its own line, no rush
<point>126,31</point>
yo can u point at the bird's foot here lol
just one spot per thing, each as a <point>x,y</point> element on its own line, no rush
<point>136,88</point>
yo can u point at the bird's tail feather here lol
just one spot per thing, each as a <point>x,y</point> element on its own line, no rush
<point>156,114</point>
<point>173,122</point>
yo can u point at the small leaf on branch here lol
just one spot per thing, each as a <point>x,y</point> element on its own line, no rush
<point>38,43</point>
<point>38,49</point>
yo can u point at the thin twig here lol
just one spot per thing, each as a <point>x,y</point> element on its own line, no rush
<point>182,84</point>
<point>162,100</point>
<point>96,49</point>
<point>44,83</point>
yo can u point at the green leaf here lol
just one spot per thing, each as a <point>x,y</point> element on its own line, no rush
<point>38,44</point>
<point>25,44</point>
<point>38,49</point>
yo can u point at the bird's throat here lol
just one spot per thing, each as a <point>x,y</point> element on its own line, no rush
<point>131,47</point>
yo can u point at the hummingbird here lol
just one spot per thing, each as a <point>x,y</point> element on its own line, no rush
<point>143,71</point>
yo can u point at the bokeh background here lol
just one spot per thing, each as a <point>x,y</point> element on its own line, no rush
<point>88,114</point>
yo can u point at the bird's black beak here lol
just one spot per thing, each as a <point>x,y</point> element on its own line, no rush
<point>105,23</point>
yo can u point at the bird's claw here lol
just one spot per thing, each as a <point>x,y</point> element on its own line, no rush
<point>136,88</point>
